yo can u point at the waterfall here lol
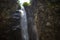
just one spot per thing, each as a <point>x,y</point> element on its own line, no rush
<point>24,28</point>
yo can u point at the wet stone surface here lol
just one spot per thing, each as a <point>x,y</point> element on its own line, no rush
<point>12,31</point>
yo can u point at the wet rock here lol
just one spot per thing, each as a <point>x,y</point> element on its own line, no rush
<point>9,20</point>
<point>46,15</point>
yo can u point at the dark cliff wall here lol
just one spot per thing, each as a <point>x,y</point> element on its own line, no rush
<point>32,30</point>
<point>6,9</point>
<point>46,15</point>
<point>9,20</point>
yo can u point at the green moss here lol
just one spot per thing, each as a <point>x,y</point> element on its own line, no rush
<point>26,4</point>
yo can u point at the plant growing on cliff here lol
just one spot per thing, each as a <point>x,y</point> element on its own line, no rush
<point>26,4</point>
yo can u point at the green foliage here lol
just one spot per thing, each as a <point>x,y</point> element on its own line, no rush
<point>52,3</point>
<point>26,4</point>
<point>19,6</point>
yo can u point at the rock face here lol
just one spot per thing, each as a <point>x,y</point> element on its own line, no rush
<point>45,16</point>
<point>6,9</point>
<point>9,20</point>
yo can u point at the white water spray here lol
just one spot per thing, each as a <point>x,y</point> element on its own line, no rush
<point>24,28</point>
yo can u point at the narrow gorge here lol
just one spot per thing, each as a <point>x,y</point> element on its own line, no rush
<point>39,20</point>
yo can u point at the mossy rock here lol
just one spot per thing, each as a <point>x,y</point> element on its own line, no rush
<point>26,4</point>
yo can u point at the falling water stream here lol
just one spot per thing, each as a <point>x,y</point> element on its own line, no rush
<point>24,28</point>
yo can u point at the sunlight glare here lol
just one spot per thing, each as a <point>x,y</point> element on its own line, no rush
<point>22,1</point>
